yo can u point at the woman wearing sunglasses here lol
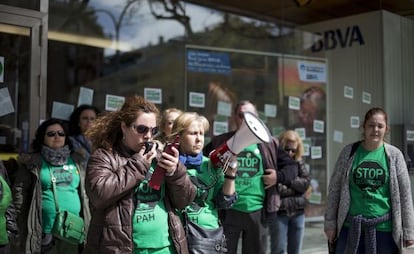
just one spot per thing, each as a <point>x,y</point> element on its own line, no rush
<point>34,195</point>
<point>128,216</point>
<point>287,229</point>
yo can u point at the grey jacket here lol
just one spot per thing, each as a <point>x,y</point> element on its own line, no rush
<point>401,201</point>
<point>27,198</point>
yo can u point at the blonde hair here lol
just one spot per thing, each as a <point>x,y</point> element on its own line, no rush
<point>183,122</point>
<point>162,136</point>
<point>292,136</point>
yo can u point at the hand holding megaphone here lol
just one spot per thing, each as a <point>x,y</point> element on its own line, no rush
<point>252,131</point>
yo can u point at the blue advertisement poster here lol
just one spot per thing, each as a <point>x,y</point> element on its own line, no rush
<point>208,62</point>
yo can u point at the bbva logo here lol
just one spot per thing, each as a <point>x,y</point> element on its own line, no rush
<point>331,39</point>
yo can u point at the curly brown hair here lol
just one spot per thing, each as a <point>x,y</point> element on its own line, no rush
<point>106,131</point>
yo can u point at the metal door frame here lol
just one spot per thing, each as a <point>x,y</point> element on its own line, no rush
<point>37,23</point>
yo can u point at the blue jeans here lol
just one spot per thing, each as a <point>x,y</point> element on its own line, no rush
<point>385,242</point>
<point>286,234</point>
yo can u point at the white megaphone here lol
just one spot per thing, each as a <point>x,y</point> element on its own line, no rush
<point>252,131</point>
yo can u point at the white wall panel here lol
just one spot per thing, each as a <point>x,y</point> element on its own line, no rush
<point>392,67</point>
<point>357,66</point>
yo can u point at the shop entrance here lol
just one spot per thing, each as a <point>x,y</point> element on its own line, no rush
<point>22,78</point>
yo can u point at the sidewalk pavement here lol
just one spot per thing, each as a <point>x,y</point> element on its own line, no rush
<point>314,240</point>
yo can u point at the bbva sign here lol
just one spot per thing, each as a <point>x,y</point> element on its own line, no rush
<point>332,39</point>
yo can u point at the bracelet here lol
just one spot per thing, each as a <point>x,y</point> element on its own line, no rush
<point>230,177</point>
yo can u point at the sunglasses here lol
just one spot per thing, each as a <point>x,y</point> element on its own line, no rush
<point>54,133</point>
<point>288,150</point>
<point>142,129</point>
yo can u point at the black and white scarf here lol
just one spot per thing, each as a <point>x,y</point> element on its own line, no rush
<point>55,157</point>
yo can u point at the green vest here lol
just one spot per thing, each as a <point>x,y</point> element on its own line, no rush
<point>203,211</point>
<point>4,203</point>
<point>150,219</point>
<point>249,181</point>
<point>67,184</point>
<point>369,183</point>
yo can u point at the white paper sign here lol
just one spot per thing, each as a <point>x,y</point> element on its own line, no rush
<point>338,136</point>
<point>294,103</point>
<point>270,110</point>
<point>224,108</point>
<point>316,152</point>
<point>220,128</point>
<point>354,121</point>
<point>366,97</point>
<point>113,102</point>
<point>62,110</point>
<point>197,100</point>
<point>318,126</point>
<point>410,135</point>
<point>6,104</point>
<point>348,92</point>
<point>301,132</point>
<point>153,95</point>
<point>85,96</point>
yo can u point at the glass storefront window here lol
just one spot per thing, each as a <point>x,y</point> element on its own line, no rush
<point>139,47</point>
<point>14,89</point>
<point>26,4</point>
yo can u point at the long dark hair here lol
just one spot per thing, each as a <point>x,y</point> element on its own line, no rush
<point>41,131</point>
<point>74,119</point>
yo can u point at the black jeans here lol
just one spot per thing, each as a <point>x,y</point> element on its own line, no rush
<point>252,229</point>
<point>5,249</point>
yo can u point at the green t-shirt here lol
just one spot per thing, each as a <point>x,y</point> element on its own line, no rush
<point>203,212</point>
<point>249,181</point>
<point>4,203</point>
<point>150,219</point>
<point>369,185</point>
<point>67,184</point>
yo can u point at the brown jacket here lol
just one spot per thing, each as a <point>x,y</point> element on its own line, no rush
<point>110,182</point>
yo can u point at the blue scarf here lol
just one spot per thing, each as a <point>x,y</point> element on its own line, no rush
<point>192,161</point>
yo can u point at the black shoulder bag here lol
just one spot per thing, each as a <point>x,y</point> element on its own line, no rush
<point>204,241</point>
